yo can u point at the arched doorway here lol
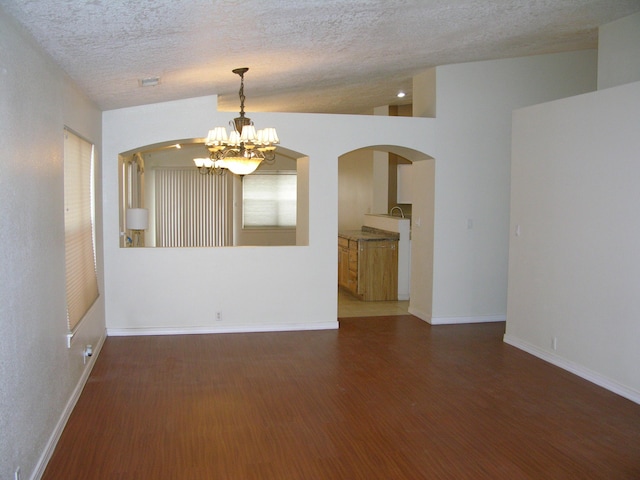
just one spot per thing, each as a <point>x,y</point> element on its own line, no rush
<point>367,188</point>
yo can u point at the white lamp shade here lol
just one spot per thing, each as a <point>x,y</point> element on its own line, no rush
<point>137,219</point>
<point>270,136</point>
<point>234,139</point>
<point>217,136</point>
<point>248,134</point>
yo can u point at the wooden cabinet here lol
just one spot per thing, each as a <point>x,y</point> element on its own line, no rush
<point>368,268</point>
<point>378,269</point>
<point>348,264</point>
<point>343,263</point>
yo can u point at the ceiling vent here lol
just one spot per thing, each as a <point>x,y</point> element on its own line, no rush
<point>149,82</point>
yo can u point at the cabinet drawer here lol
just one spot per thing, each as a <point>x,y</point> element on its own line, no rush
<point>343,242</point>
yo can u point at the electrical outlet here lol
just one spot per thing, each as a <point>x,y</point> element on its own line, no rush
<point>88,351</point>
<point>218,316</point>
<point>17,475</point>
<point>554,343</point>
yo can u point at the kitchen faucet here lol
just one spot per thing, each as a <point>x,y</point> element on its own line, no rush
<point>398,207</point>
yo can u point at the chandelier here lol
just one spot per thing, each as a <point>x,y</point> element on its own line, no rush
<point>244,149</point>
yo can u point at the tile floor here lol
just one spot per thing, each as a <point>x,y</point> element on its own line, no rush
<point>350,306</point>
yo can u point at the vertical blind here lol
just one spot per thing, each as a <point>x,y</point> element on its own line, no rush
<point>79,233</point>
<point>192,210</point>
<point>269,199</point>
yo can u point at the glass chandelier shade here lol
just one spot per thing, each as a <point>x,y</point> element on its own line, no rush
<point>243,149</point>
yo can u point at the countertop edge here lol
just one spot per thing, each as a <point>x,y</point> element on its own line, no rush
<point>368,235</point>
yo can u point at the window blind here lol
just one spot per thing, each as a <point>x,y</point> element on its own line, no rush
<point>79,233</point>
<point>269,199</point>
<point>192,210</point>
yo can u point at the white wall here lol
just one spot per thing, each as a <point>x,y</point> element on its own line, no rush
<point>422,235</point>
<point>574,271</point>
<point>355,188</point>
<point>473,139</point>
<point>424,94</point>
<point>254,288</point>
<point>40,376</point>
<point>619,52</point>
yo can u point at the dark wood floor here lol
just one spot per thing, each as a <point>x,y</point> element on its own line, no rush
<point>381,398</point>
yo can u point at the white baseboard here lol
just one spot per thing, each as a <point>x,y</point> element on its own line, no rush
<point>462,320</point>
<point>289,327</point>
<point>66,413</point>
<point>424,316</point>
<point>575,368</point>
<point>455,320</point>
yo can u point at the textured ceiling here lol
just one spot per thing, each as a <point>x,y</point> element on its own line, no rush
<point>333,56</point>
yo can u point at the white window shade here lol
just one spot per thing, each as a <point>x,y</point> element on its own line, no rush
<point>269,200</point>
<point>80,260</point>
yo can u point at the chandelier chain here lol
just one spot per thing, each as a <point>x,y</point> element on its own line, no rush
<point>241,94</point>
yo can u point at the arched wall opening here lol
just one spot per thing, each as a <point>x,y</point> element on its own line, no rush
<point>366,177</point>
<point>137,190</point>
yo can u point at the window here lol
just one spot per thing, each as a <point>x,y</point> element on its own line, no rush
<point>79,232</point>
<point>269,200</point>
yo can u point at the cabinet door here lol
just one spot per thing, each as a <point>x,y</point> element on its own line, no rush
<point>378,270</point>
<point>353,283</point>
<point>343,267</point>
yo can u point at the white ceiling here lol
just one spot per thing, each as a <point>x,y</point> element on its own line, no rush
<point>321,56</point>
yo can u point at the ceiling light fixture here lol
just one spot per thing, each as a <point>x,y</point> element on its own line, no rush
<point>401,94</point>
<point>244,149</point>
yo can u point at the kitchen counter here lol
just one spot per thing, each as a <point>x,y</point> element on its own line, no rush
<point>368,263</point>
<point>368,234</point>
<point>403,227</point>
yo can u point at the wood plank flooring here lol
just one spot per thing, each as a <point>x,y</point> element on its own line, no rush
<point>380,398</point>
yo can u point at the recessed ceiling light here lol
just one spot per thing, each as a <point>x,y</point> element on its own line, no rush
<point>149,82</point>
<point>401,94</point>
